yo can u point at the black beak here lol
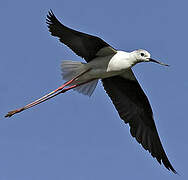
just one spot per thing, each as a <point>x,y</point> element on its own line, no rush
<point>153,60</point>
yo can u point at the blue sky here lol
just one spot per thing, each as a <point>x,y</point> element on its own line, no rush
<point>75,137</point>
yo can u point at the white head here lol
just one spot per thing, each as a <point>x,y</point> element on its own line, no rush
<point>142,55</point>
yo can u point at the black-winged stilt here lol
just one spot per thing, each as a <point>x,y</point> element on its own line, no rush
<point>113,67</point>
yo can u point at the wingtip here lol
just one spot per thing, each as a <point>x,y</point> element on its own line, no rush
<point>50,14</point>
<point>173,170</point>
<point>49,11</point>
<point>169,166</point>
<point>50,18</point>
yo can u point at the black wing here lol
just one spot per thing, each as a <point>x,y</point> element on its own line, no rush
<point>134,108</point>
<point>84,45</point>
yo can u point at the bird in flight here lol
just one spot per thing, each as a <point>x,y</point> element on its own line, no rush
<point>113,67</point>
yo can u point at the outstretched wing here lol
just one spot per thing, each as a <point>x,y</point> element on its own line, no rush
<point>84,45</point>
<point>134,108</point>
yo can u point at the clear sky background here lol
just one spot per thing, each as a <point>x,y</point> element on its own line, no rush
<point>75,137</point>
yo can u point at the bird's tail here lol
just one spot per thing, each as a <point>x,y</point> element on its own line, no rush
<point>71,69</point>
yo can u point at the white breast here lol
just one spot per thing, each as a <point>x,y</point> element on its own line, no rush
<point>120,61</point>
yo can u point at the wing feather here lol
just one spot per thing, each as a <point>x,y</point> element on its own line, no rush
<point>134,108</point>
<point>84,45</point>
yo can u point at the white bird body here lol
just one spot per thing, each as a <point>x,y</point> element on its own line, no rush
<point>104,66</point>
<point>107,66</point>
<point>101,67</point>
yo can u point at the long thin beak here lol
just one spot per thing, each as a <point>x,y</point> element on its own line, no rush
<point>155,61</point>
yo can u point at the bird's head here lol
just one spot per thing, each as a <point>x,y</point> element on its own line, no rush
<point>142,55</point>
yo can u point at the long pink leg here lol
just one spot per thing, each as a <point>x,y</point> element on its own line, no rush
<point>42,100</point>
<point>48,96</point>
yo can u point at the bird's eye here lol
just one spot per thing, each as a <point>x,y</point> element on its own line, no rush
<point>142,54</point>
